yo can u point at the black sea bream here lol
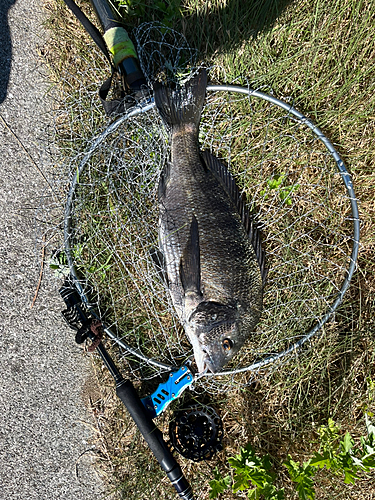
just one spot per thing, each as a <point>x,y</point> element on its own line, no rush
<point>209,246</point>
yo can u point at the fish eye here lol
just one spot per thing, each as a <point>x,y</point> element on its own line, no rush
<point>227,344</point>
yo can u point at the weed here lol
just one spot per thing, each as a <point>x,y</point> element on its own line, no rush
<point>251,473</point>
<point>303,476</point>
<point>342,457</point>
<point>58,262</point>
<point>336,456</point>
<point>249,470</point>
<point>167,12</point>
<point>219,484</point>
<point>284,191</point>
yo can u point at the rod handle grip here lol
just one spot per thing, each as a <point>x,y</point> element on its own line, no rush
<point>154,438</point>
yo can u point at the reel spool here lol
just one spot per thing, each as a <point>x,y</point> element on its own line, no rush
<point>196,432</point>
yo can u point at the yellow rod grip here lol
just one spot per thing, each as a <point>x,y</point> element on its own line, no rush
<point>119,44</point>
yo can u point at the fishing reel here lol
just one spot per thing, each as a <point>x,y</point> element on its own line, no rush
<point>75,314</point>
<point>79,318</point>
<point>196,432</point>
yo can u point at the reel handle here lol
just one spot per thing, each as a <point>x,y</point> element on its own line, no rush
<point>154,438</point>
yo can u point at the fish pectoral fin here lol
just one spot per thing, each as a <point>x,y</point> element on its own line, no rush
<point>160,265</point>
<point>190,267</point>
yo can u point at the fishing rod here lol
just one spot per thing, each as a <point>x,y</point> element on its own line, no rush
<point>141,411</point>
<point>119,51</point>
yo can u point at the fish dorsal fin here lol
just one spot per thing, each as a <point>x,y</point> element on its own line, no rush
<point>229,184</point>
<point>223,175</point>
<point>190,265</point>
<point>255,237</point>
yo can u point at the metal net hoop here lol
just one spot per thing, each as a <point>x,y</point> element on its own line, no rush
<point>293,178</point>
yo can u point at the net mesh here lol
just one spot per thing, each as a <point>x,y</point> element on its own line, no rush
<point>164,54</point>
<point>289,177</point>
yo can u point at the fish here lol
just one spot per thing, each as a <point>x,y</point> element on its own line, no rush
<point>209,246</point>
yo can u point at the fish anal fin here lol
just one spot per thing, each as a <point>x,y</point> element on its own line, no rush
<point>163,180</point>
<point>190,269</point>
<point>222,173</point>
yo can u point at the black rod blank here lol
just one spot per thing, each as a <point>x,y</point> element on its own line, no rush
<point>152,435</point>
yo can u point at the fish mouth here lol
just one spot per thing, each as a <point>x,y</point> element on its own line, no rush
<point>206,359</point>
<point>207,364</point>
<point>203,359</point>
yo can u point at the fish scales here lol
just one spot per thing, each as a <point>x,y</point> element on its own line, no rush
<point>213,270</point>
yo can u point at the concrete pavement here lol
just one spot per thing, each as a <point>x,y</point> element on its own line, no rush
<point>44,436</point>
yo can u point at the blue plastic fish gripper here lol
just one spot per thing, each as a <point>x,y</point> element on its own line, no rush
<point>167,391</point>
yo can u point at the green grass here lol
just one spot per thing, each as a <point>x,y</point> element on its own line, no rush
<point>319,54</point>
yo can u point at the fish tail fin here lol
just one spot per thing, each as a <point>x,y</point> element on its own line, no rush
<point>183,105</point>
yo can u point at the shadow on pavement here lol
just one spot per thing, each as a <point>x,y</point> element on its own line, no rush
<point>5,47</point>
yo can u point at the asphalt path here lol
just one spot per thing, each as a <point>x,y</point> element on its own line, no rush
<point>45,434</point>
